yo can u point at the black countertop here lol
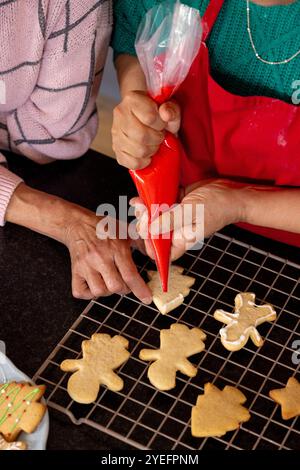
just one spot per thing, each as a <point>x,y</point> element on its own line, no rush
<point>36,304</point>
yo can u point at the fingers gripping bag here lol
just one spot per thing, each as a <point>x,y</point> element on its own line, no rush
<point>167,43</point>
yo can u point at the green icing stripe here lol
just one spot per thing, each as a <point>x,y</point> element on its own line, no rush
<point>14,392</point>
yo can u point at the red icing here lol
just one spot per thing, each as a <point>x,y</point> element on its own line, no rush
<point>159,184</point>
<point>165,95</point>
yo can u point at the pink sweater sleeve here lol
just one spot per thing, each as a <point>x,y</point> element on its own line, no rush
<point>8,183</point>
<point>59,120</point>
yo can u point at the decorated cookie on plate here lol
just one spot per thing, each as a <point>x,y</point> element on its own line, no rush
<point>17,445</point>
<point>20,408</point>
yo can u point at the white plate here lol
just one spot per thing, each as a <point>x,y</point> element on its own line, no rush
<point>8,373</point>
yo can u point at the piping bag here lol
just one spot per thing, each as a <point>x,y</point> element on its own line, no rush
<point>167,43</point>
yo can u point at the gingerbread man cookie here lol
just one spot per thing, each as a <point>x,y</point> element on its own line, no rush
<point>218,411</point>
<point>243,324</point>
<point>176,345</point>
<point>20,409</point>
<point>179,288</point>
<point>102,354</point>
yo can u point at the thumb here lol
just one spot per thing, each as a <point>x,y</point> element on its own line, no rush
<point>186,220</point>
<point>178,249</point>
<point>170,113</point>
<point>139,207</point>
<point>168,221</point>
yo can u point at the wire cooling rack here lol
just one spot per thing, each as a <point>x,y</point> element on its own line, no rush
<point>146,418</point>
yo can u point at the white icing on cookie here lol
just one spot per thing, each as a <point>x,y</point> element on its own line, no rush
<point>243,324</point>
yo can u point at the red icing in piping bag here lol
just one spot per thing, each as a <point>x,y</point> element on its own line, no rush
<point>158,184</point>
<point>167,43</point>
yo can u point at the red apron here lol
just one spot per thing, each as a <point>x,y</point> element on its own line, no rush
<point>255,139</point>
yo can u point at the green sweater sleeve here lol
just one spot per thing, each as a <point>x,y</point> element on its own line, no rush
<point>232,59</point>
<point>127,18</point>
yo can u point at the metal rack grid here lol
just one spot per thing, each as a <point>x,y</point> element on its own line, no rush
<point>146,418</point>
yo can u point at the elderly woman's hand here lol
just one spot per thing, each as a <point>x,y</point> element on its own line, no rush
<point>101,267</point>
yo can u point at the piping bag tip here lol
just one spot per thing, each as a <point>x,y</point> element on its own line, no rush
<point>162,250</point>
<point>164,278</point>
<point>164,282</point>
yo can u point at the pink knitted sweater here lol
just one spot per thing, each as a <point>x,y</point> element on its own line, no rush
<point>52,53</point>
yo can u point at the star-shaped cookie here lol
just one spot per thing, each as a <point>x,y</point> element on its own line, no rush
<point>288,398</point>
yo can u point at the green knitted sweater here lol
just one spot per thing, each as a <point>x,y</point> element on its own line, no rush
<point>276,33</point>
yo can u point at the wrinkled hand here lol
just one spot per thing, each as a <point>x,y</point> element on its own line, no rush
<point>101,267</point>
<point>219,200</point>
<point>139,127</point>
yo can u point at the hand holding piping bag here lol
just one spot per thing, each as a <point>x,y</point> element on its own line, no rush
<point>212,204</point>
<point>167,43</point>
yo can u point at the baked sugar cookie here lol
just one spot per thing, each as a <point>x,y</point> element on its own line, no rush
<point>102,354</point>
<point>17,445</point>
<point>176,345</point>
<point>243,323</point>
<point>288,398</point>
<point>179,288</point>
<point>218,411</point>
<point>20,409</point>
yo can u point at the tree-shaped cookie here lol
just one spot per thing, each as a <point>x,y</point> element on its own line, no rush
<point>178,288</point>
<point>17,445</point>
<point>176,345</point>
<point>288,398</point>
<point>20,409</point>
<point>243,323</point>
<point>102,354</point>
<point>218,411</point>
